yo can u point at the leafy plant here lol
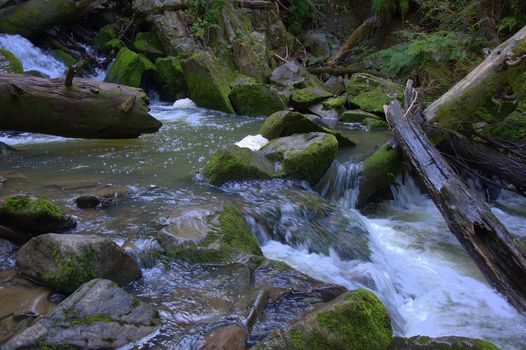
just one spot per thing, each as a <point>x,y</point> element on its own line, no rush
<point>301,13</point>
<point>205,14</point>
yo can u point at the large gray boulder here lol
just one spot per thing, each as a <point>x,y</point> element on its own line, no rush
<point>99,315</point>
<point>65,262</point>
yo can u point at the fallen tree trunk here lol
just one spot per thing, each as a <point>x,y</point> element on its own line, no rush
<point>481,234</point>
<point>485,159</point>
<point>33,17</point>
<point>88,109</point>
<point>453,108</point>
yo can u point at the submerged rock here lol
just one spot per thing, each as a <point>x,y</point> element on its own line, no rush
<point>355,320</point>
<point>65,262</point>
<point>302,156</point>
<point>99,315</point>
<point>286,123</point>
<point>232,337</point>
<point>103,198</point>
<point>441,343</point>
<point>129,68</point>
<point>371,93</point>
<point>207,82</point>
<point>9,63</point>
<point>33,216</point>
<point>208,235</point>
<point>256,99</point>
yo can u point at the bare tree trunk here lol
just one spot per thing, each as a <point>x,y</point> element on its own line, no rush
<point>33,17</point>
<point>481,234</point>
<point>88,109</point>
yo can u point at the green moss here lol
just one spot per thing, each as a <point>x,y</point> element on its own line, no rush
<point>371,93</point>
<point>334,103</point>
<point>169,75</point>
<point>208,82</point>
<point>24,212</point>
<point>9,63</point>
<point>113,45</point>
<point>105,34</point>
<point>128,68</point>
<point>374,124</point>
<point>88,320</point>
<point>236,233</point>
<point>297,339</point>
<point>64,57</point>
<point>304,98</point>
<point>234,164</point>
<point>147,44</point>
<point>256,99</point>
<point>356,116</point>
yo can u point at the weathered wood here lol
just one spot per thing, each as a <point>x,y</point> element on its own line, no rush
<point>88,109</point>
<point>33,17</point>
<point>481,234</point>
<point>368,27</point>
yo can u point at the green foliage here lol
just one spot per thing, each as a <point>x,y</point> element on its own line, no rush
<point>301,13</point>
<point>206,14</point>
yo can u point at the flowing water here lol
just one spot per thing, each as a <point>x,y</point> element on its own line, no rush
<point>400,249</point>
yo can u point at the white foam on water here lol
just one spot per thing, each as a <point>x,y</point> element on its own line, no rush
<point>184,103</point>
<point>252,142</point>
<point>32,57</point>
<point>29,138</point>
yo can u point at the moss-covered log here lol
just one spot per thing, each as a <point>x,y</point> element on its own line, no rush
<point>32,17</point>
<point>486,81</point>
<point>88,109</point>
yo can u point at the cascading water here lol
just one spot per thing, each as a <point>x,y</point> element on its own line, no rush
<point>340,184</point>
<point>32,57</point>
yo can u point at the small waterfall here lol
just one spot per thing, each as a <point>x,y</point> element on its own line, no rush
<point>32,57</point>
<point>406,192</point>
<point>340,184</point>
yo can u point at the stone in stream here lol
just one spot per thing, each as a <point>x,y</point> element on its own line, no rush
<point>440,343</point>
<point>231,337</point>
<point>375,124</point>
<point>356,116</point>
<point>208,235</point>
<point>370,93</point>
<point>9,63</point>
<point>129,68</point>
<point>256,99</point>
<point>304,98</point>
<point>169,75</point>
<point>99,315</point>
<point>28,217</point>
<point>64,262</point>
<point>354,320</point>
<point>102,198</point>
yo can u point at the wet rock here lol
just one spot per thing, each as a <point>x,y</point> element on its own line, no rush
<point>233,163</point>
<point>34,216</point>
<point>256,99</point>
<point>354,320</point>
<point>335,103</point>
<point>441,343</point>
<point>375,124</point>
<point>107,33</point>
<point>293,74</point>
<point>9,63</point>
<point>356,116</point>
<point>99,315</point>
<point>304,98</point>
<point>319,43</point>
<point>302,156</point>
<point>207,83</point>
<point>232,337</point>
<point>208,235</point>
<point>169,75</point>
<point>325,114</point>
<point>370,93</point>
<point>14,236</point>
<point>147,44</point>
<point>286,123</point>
<point>129,68</point>
<point>172,30</point>
<point>65,262</point>
<point>251,55</point>
<point>103,198</point>
<point>335,85</point>
<point>64,57</point>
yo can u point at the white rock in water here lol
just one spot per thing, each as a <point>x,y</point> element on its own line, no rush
<point>254,142</point>
<point>184,103</point>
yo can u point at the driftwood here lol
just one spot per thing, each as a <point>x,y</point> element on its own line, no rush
<point>33,17</point>
<point>88,109</point>
<point>368,27</point>
<point>462,100</point>
<point>481,234</point>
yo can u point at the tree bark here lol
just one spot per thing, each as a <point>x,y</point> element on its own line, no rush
<point>453,108</point>
<point>481,234</point>
<point>33,17</point>
<point>362,32</point>
<point>88,109</point>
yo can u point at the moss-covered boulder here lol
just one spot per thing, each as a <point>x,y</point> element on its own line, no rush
<point>286,123</point>
<point>356,116</point>
<point>147,44</point>
<point>99,315</point>
<point>129,68</point>
<point>302,156</point>
<point>233,163</point>
<point>371,93</point>
<point>64,57</point>
<point>65,262</point>
<point>357,320</point>
<point>114,45</point>
<point>34,216</point>
<point>208,83</point>
<point>334,103</point>
<point>256,99</point>
<point>441,343</point>
<point>170,77</point>
<point>9,63</point>
<point>304,98</point>
<point>208,235</point>
<point>251,55</point>
<point>375,124</point>
<point>105,34</point>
